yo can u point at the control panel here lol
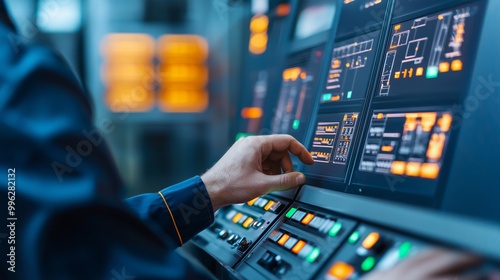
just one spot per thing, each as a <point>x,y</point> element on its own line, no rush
<point>238,227</point>
<point>300,242</point>
<point>369,249</point>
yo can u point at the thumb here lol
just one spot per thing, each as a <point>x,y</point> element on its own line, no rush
<point>284,181</point>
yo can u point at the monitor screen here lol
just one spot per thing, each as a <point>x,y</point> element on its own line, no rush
<point>404,149</point>
<point>297,94</point>
<point>430,54</point>
<point>332,144</point>
<point>315,16</point>
<point>350,69</point>
<point>361,16</point>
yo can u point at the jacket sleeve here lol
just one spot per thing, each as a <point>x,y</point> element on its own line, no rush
<point>71,221</point>
<point>181,210</point>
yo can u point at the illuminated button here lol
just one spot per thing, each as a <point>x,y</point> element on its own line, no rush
<point>404,250</point>
<point>349,94</point>
<point>275,206</point>
<point>341,270</point>
<point>305,251</point>
<point>420,71</point>
<point>251,202</point>
<point>242,219</point>
<point>283,239</point>
<point>237,217</point>
<point>268,205</point>
<point>432,72</point>
<point>307,219</point>
<point>290,243</point>
<point>368,264</point>
<point>371,240</point>
<point>327,225</point>
<point>275,235</point>
<point>248,222</point>
<point>456,65</point>
<point>327,96</point>
<point>299,246</point>
<point>316,222</point>
<point>354,237</point>
<point>398,167</point>
<point>261,203</point>
<point>296,124</point>
<point>258,224</point>
<point>298,216</point>
<point>313,255</point>
<point>334,231</point>
<point>231,214</point>
<point>444,67</point>
<point>429,171</point>
<point>413,169</point>
<point>290,212</point>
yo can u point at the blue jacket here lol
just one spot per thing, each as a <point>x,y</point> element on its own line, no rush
<point>61,193</point>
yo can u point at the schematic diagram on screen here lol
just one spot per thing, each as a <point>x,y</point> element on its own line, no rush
<point>426,48</point>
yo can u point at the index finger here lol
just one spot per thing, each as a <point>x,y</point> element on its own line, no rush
<point>282,142</point>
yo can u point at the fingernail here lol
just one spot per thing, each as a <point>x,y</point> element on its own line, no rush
<point>301,179</point>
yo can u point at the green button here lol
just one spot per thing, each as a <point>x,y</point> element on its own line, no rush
<point>349,94</point>
<point>291,212</point>
<point>242,135</point>
<point>296,124</point>
<point>335,229</point>
<point>327,97</point>
<point>354,237</point>
<point>313,255</point>
<point>368,264</point>
<point>432,72</point>
<point>404,250</point>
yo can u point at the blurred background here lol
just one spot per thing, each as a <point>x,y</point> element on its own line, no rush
<point>163,73</point>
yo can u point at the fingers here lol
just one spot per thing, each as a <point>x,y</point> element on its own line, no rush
<point>280,143</point>
<point>282,160</point>
<point>283,181</point>
<point>434,263</point>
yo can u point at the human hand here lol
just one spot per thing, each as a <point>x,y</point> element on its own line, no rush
<point>252,167</point>
<point>431,264</point>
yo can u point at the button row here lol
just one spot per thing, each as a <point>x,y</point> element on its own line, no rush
<point>323,225</point>
<point>266,204</point>
<point>243,220</point>
<point>299,247</point>
<point>234,239</point>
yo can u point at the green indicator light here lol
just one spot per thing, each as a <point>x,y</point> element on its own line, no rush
<point>404,250</point>
<point>313,255</point>
<point>327,97</point>
<point>354,237</point>
<point>335,229</point>
<point>432,72</point>
<point>368,264</point>
<point>291,212</point>
<point>349,94</point>
<point>296,124</point>
<point>242,135</point>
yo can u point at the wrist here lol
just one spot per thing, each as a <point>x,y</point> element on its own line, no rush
<point>214,185</point>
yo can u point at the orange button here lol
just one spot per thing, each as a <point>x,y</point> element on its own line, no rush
<point>237,217</point>
<point>296,249</point>
<point>430,171</point>
<point>268,205</point>
<point>251,202</point>
<point>283,239</point>
<point>341,270</point>
<point>248,222</point>
<point>307,219</point>
<point>371,240</point>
